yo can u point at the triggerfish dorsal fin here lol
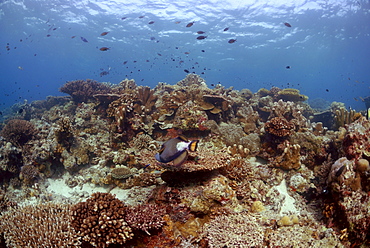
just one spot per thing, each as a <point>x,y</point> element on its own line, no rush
<point>193,145</point>
<point>181,158</point>
<point>183,138</point>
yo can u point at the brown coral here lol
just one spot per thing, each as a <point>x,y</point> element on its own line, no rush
<point>44,225</point>
<point>279,127</point>
<point>100,220</point>
<point>18,132</point>
<point>28,173</point>
<point>84,90</point>
<point>145,217</point>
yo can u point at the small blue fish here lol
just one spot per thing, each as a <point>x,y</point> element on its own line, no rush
<point>176,150</point>
<point>83,39</point>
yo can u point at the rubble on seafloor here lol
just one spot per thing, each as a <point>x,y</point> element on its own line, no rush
<point>270,171</point>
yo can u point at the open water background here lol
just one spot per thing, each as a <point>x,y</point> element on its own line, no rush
<point>327,46</point>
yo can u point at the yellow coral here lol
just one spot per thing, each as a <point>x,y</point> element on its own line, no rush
<point>290,94</point>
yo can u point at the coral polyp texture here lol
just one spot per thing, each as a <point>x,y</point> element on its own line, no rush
<point>270,170</point>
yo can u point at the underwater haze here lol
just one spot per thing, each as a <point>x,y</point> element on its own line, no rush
<point>318,47</point>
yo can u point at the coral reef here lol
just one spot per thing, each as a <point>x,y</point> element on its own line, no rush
<point>18,132</point>
<point>45,225</point>
<point>84,90</point>
<point>145,217</point>
<point>100,220</point>
<point>270,170</point>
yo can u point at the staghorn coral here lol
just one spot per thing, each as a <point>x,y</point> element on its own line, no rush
<point>84,90</point>
<point>43,225</point>
<point>18,132</point>
<point>145,217</point>
<point>100,220</point>
<point>279,127</point>
<point>235,230</point>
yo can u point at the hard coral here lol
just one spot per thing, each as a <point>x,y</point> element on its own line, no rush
<point>84,90</point>
<point>145,217</point>
<point>18,132</point>
<point>279,127</point>
<point>235,230</point>
<point>100,220</point>
<point>290,94</point>
<point>28,173</point>
<point>44,225</point>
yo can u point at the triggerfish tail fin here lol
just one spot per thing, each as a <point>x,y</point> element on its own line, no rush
<point>181,158</point>
<point>193,145</point>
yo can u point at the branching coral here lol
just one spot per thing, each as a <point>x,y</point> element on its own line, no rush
<point>18,132</point>
<point>84,90</point>
<point>100,220</point>
<point>45,225</point>
<point>145,217</point>
<point>235,230</point>
<point>279,127</point>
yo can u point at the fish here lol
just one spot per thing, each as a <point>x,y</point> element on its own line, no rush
<point>73,36</point>
<point>104,48</point>
<point>189,24</point>
<point>176,150</point>
<point>104,33</point>
<point>287,67</point>
<point>177,22</point>
<point>104,73</point>
<point>202,37</point>
<point>232,41</point>
<point>200,32</point>
<point>83,39</point>
<point>151,22</point>
<point>225,29</point>
<point>20,68</point>
<point>187,71</point>
<point>368,114</point>
<point>287,24</point>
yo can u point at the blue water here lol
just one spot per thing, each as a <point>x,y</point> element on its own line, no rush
<point>327,46</point>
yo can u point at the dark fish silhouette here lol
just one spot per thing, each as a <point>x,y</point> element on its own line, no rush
<point>288,67</point>
<point>232,41</point>
<point>104,33</point>
<point>83,39</point>
<point>123,18</point>
<point>104,49</point>
<point>200,32</point>
<point>189,24</point>
<point>187,71</point>
<point>104,73</point>
<point>141,17</point>
<point>225,29</point>
<point>151,22</point>
<point>201,37</point>
<point>287,24</point>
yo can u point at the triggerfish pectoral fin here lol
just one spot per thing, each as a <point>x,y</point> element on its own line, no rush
<point>181,158</point>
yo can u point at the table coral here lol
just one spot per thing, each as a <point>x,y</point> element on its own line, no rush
<point>84,90</point>
<point>290,94</point>
<point>100,220</point>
